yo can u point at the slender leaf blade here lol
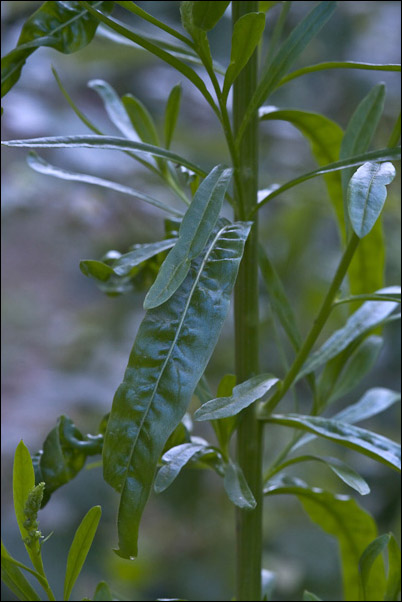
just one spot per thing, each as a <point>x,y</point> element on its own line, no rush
<point>365,442</point>
<point>195,229</point>
<point>172,113</point>
<point>164,368</point>
<point>237,487</point>
<point>102,592</point>
<point>371,589</point>
<point>141,119</point>
<point>80,547</point>
<point>174,460</point>
<point>393,586</point>
<point>243,396</point>
<point>310,596</point>
<point>15,580</point>
<point>201,14</point>
<point>366,195</point>
<point>23,483</point>
<point>114,107</point>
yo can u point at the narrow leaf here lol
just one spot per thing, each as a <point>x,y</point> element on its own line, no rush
<point>15,580</point>
<point>124,265</point>
<point>40,165</point>
<point>367,317</point>
<point>224,427</point>
<point>164,368</point>
<point>366,195</point>
<point>141,119</point>
<point>339,65</point>
<point>393,586</point>
<point>102,592</point>
<point>247,33</point>
<point>343,518</point>
<point>174,460</point>
<point>195,229</point>
<point>309,596</point>
<point>172,113</point>
<point>237,487</point>
<point>80,547</point>
<point>114,107</point>
<point>243,396</point>
<point>203,15</point>
<point>60,25</point>
<point>103,142</point>
<point>365,442</point>
<point>23,483</point>
<point>370,588</point>
<point>286,55</point>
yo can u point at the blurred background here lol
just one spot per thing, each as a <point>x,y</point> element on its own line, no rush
<point>66,344</point>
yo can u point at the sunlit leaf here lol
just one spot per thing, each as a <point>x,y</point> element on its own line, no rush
<point>371,588</point>
<point>393,586</point>
<point>14,579</point>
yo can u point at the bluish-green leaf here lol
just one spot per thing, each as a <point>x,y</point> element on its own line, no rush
<point>393,586</point>
<point>64,26</point>
<point>40,165</point>
<point>237,487</point>
<point>247,33</point>
<point>310,596</point>
<point>286,55</point>
<point>339,65</point>
<point>80,547</point>
<point>173,461</point>
<point>343,518</point>
<point>243,396</point>
<point>202,15</point>
<point>14,579</point>
<point>170,353</point>
<point>114,107</point>
<point>367,317</point>
<point>124,265</point>
<point>172,113</point>
<point>195,229</point>
<point>366,195</point>
<point>365,442</point>
<point>371,589</point>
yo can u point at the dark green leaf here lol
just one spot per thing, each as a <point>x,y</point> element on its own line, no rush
<point>367,317</point>
<point>202,15</point>
<point>96,269</point>
<point>277,297</point>
<point>64,26</point>
<point>393,586</point>
<point>286,55</point>
<point>237,487</point>
<point>243,396</point>
<point>172,348</point>
<point>247,33</point>
<point>309,596</point>
<point>365,442</point>
<point>343,518</point>
<point>371,589</point>
<point>195,229</point>
<point>102,592</point>
<point>14,579</point>
<point>172,113</point>
<point>103,142</point>
<point>366,195</point>
<point>80,547</point>
<point>123,266</point>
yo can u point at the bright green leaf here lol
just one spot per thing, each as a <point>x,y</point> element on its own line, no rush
<point>172,113</point>
<point>243,396</point>
<point>393,586</point>
<point>247,33</point>
<point>23,483</point>
<point>195,229</point>
<point>14,579</point>
<point>202,15</point>
<point>141,119</point>
<point>371,589</point>
<point>365,442</point>
<point>102,592</point>
<point>366,195</point>
<point>151,402</point>
<point>237,487</point>
<point>80,547</point>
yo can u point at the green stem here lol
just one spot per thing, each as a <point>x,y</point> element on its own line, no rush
<point>249,432</point>
<point>317,327</point>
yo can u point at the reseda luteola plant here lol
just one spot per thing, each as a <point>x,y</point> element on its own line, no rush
<point>145,440</point>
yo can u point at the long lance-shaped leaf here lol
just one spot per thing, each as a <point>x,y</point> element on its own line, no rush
<point>114,107</point>
<point>343,518</point>
<point>195,229</point>
<point>339,65</point>
<point>365,442</point>
<point>159,52</point>
<point>170,353</point>
<point>40,165</point>
<point>103,142</point>
<point>60,25</point>
<point>370,588</point>
<point>394,570</point>
<point>385,154</point>
<point>14,578</point>
<point>286,55</point>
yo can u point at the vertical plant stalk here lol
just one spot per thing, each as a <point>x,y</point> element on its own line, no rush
<point>249,433</point>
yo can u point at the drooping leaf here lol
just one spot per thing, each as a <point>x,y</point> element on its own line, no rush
<point>194,231</point>
<point>243,396</point>
<point>103,142</point>
<point>174,460</point>
<point>14,579</point>
<point>237,487</point>
<point>80,547</point>
<point>365,442</point>
<point>247,33</point>
<point>202,15</point>
<point>114,107</point>
<point>289,51</point>
<point>343,518</point>
<point>367,317</point>
<point>339,65</point>
<point>278,299</point>
<point>392,154</point>
<point>64,26</point>
<point>366,195</point>
<point>172,113</point>
<point>370,588</point>
<point>40,165</point>
<point>393,586</point>
<point>172,348</point>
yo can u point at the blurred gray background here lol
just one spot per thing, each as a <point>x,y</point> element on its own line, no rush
<point>66,344</point>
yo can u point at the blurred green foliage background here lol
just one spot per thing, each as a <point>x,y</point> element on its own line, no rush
<point>65,344</point>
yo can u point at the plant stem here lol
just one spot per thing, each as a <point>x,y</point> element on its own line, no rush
<point>249,433</point>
